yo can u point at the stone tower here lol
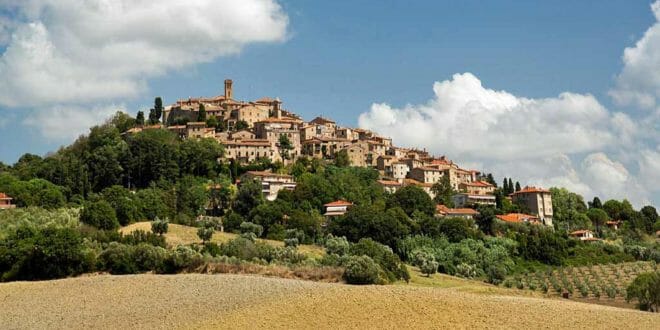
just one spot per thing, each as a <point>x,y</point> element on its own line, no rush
<point>229,94</point>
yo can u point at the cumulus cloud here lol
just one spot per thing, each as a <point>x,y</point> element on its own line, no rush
<point>68,52</point>
<point>68,122</point>
<point>556,141</point>
<point>638,83</point>
<point>467,120</point>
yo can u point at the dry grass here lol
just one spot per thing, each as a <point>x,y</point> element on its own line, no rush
<point>247,302</point>
<point>179,234</point>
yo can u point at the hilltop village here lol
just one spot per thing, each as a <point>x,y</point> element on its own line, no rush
<point>251,130</point>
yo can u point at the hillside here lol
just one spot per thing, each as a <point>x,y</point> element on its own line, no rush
<point>237,301</point>
<point>179,234</point>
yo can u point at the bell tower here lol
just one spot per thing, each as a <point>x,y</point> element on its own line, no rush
<point>229,94</point>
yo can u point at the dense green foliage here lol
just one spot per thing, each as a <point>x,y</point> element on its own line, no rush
<point>645,289</point>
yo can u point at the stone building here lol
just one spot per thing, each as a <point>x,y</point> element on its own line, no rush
<point>537,200</point>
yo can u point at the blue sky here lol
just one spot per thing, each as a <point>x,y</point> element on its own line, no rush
<point>339,58</point>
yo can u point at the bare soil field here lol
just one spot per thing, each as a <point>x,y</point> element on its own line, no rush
<point>193,301</point>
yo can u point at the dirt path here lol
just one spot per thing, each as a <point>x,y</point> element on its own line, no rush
<point>237,301</point>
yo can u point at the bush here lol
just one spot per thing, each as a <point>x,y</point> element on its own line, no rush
<point>645,288</point>
<point>249,227</point>
<point>159,226</point>
<point>429,266</point>
<point>41,254</point>
<point>336,245</point>
<point>211,249</point>
<point>118,259</point>
<point>389,262</point>
<point>205,234</point>
<point>291,242</point>
<point>183,257</point>
<point>100,215</point>
<point>361,270</point>
<point>149,258</point>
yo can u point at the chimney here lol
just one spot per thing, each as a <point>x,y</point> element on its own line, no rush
<point>228,91</point>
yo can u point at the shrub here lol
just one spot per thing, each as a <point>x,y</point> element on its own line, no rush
<point>205,234</point>
<point>183,257</point>
<point>645,288</point>
<point>336,245</point>
<point>149,258</point>
<point>41,254</point>
<point>249,227</point>
<point>140,236</point>
<point>291,242</point>
<point>100,215</point>
<point>466,270</point>
<point>361,270</point>
<point>159,226</point>
<point>211,249</point>
<point>383,256</point>
<point>429,266</point>
<point>118,259</point>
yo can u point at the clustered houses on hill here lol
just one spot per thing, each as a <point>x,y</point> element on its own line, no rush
<point>264,129</point>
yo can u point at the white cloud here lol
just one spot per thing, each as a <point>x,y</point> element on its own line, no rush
<point>468,121</point>
<point>534,140</point>
<point>68,51</point>
<point>639,82</point>
<point>68,122</point>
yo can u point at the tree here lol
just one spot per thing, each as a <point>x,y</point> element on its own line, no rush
<point>139,119</point>
<point>429,266</point>
<point>205,234</point>
<point>284,145</point>
<point>249,196</point>
<point>361,270</point>
<point>412,198</point>
<point>596,204</point>
<point>341,158</point>
<point>645,288</point>
<point>212,122</point>
<point>598,217</point>
<point>505,186</point>
<point>201,115</point>
<point>511,186</point>
<point>240,125</point>
<point>490,179</point>
<point>444,192</point>
<point>124,202</point>
<point>159,227</point>
<point>100,215</point>
<point>649,216</point>
<point>158,107</point>
<point>518,186</point>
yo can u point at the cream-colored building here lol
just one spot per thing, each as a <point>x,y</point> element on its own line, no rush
<point>271,183</point>
<point>400,170</point>
<point>537,200</point>
<point>245,151</point>
<point>357,155</point>
<point>477,188</point>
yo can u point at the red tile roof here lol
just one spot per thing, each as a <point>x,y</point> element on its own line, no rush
<point>4,196</point>
<point>322,121</point>
<point>339,203</point>
<point>442,209</point>
<point>478,184</point>
<point>517,217</point>
<point>528,190</point>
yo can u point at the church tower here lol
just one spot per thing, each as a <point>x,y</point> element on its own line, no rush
<point>228,90</point>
